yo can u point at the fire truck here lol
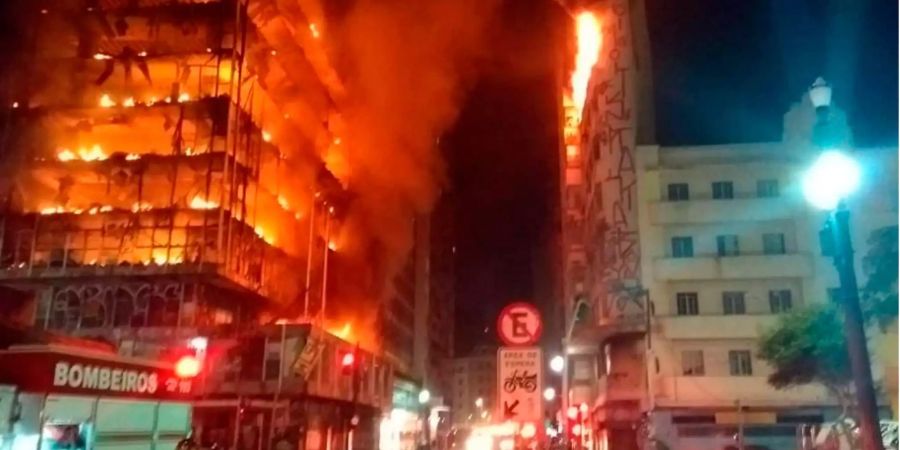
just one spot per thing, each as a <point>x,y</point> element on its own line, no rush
<point>55,397</point>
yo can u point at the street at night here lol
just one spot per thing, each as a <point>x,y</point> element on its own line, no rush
<point>448,225</point>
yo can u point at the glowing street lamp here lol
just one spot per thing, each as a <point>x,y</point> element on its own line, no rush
<point>833,177</point>
<point>479,403</point>
<point>549,394</point>
<point>424,396</point>
<point>557,364</point>
<point>830,180</point>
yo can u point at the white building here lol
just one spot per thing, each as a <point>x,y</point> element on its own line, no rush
<point>727,244</point>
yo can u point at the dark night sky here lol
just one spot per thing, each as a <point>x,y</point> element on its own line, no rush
<point>721,74</point>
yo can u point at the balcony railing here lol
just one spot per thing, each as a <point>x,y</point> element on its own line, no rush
<point>154,242</point>
<point>700,211</point>
<point>796,265</point>
<point>723,391</point>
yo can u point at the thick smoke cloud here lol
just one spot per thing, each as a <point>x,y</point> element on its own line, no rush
<point>407,65</point>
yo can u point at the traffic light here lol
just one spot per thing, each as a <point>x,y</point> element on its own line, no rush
<point>348,362</point>
<point>188,366</point>
<point>189,360</point>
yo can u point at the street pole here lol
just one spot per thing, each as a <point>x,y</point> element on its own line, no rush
<point>325,264</point>
<point>357,364</point>
<point>280,385</point>
<point>869,427</point>
<point>564,396</point>
<point>569,323</point>
<point>309,255</point>
<point>650,360</point>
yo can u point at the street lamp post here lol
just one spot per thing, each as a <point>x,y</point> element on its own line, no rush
<point>424,398</point>
<point>831,179</point>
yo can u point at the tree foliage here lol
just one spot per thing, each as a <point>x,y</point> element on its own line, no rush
<point>807,346</point>
<point>879,294</point>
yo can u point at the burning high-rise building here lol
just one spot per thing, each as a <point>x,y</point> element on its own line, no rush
<point>242,171</point>
<point>167,175</point>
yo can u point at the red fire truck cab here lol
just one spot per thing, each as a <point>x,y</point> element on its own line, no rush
<point>59,397</point>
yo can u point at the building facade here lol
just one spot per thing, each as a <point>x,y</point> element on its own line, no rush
<point>163,179</point>
<point>437,255</point>
<point>727,245</point>
<point>683,255</point>
<point>474,378</point>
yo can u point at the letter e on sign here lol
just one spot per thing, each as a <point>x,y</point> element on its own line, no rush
<point>519,324</point>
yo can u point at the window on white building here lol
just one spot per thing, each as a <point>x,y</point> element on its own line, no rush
<point>767,188</point>
<point>682,247</point>
<point>686,303</point>
<point>723,190</point>
<point>727,245</point>
<point>740,363</point>
<point>773,243</point>
<point>678,192</point>
<point>780,301</point>
<point>733,303</point>
<point>692,363</point>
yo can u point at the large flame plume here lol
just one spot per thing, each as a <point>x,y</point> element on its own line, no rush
<point>589,42</point>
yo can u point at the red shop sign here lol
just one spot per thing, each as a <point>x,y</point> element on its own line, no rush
<point>73,370</point>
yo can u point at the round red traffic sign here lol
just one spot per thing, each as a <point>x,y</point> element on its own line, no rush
<point>519,324</point>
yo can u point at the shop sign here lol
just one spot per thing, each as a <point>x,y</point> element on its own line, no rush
<point>107,375</point>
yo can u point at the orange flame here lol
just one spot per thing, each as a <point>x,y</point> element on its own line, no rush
<point>106,101</point>
<point>590,39</point>
<point>199,202</point>
<point>343,333</point>
<point>95,153</point>
<point>261,232</point>
<point>161,258</point>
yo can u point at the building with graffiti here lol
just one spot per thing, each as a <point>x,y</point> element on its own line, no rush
<point>175,178</point>
<point>682,255</point>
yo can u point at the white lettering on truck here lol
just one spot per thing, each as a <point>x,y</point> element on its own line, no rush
<point>87,376</point>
